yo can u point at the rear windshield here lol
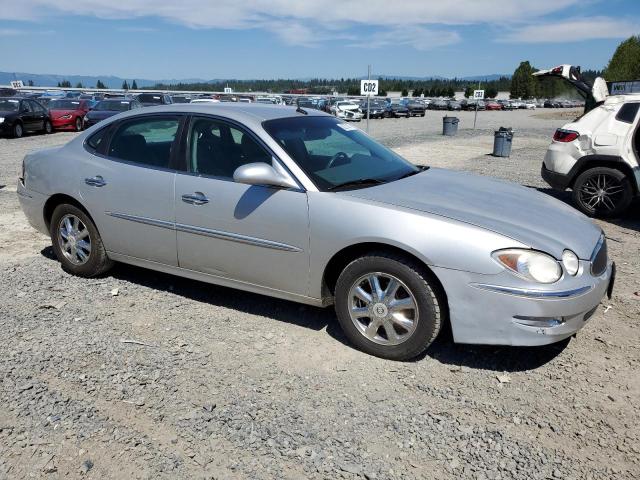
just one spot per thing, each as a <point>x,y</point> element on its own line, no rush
<point>113,105</point>
<point>150,98</point>
<point>64,104</point>
<point>9,105</point>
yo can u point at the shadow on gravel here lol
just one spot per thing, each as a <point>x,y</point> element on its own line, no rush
<point>245,302</point>
<point>497,358</point>
<point>2,186</point>
<point>630,220</point>
<point>493,357</point>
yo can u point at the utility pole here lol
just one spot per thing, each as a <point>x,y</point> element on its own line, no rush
<point>368,96</point>
<point>475,117</point>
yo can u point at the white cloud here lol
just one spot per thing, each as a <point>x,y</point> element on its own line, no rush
<point>572,30</point>
<point>419,38</point>
<point>307,22</point>
<point>11,32</point>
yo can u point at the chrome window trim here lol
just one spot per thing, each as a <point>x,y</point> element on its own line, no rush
<point>540,294</point>
<point>233,237</point>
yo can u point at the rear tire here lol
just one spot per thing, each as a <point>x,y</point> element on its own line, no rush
<point>602,192</point>
<point>397,324</point>
<point>48,128</point>
<point>77,243</point>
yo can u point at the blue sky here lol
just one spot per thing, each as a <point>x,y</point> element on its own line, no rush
<point>165,39</point>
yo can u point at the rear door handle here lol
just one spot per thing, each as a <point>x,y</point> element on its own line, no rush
<point>197,198</point>
<point>96,181</point>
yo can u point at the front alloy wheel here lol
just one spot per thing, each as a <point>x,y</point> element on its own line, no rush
<point>602,192</point>
<point>387,305</point>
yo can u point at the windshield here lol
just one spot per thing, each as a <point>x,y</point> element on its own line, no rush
<point>149,98</point>
<point>9,105</point>
<point>112,105</point>
<point>333,153</point>
<point>64,105</point>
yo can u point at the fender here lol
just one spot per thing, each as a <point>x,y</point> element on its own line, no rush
<point>613,161</point>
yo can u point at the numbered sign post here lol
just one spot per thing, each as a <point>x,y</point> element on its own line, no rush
<point>368,87</point>
<point>17,84</point>
<point>477,96</point>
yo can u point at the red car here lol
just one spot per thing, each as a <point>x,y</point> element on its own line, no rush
<point>68,113</point>
<point>491,105</point>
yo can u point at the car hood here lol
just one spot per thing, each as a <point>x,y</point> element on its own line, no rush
<point>101,114</point>
<point>523,214</point>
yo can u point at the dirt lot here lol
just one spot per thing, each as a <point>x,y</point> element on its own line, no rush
<point>172,378</point>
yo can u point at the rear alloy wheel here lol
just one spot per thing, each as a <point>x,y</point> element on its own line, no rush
<point>387,307</point>
<point>78,124</point>
<point>77,243</point>
<point>602,192</point>
<point>18,131</point>
<point>48,128</point>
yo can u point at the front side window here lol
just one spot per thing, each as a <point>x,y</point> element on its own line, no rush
<point>218,149</point>
<point>148,141</point>
<point>333,153</point>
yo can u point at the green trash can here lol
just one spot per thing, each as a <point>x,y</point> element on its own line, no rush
<point>450,126</point>
<point>502,140</point>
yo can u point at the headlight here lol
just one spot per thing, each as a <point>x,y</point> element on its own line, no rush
<point>529,264</point>
<point>571,262</point>
<point>1,119</point>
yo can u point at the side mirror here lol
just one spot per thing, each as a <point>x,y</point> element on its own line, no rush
<point>262,174</point>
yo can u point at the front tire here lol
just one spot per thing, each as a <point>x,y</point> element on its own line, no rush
<point>78,124</point>
<point>18,130</point>
<point>602,192</point>
<point>387,306</point>
<point>77,243</point>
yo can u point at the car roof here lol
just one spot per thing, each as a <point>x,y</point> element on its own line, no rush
<point>241,112</point>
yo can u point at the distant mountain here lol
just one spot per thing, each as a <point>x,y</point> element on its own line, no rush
<point>89,81</point>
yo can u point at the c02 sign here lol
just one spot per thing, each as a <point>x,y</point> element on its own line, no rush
<point>368,87</point>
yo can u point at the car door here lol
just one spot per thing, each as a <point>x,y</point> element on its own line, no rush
<point>248,233</point>
<point>39,115</point>
<point>27,116</point>
<point>127,184</point>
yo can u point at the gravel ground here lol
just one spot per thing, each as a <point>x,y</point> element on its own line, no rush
<point>145,375</point>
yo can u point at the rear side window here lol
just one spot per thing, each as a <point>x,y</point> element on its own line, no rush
<point>148,141</point>
<point>628,112</point>
<point>94,141</point>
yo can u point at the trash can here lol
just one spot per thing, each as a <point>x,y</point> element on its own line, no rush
<point>502,140</point>
<point>450,126</point>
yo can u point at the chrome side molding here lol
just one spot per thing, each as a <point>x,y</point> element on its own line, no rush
<point>233,237</point>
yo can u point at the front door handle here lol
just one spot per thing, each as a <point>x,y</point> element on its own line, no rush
<point>96,181</point>
<point>197,198</point>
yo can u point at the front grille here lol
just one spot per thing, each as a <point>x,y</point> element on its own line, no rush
<point>599,257</point>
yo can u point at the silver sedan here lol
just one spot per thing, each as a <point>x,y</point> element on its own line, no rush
<point>297,204</point>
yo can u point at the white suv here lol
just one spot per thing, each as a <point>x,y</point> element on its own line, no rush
<point>597,154</point>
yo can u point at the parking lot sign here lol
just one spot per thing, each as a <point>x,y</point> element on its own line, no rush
<point>17,84</point>
<point>478,94</point>
<point>368,87</point>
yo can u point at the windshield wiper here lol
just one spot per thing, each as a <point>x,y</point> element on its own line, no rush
<point>421,168</point>
<point>356,183</point>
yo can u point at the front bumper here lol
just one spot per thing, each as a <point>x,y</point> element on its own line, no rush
<point>496,310</point>
<point>61,123</point>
